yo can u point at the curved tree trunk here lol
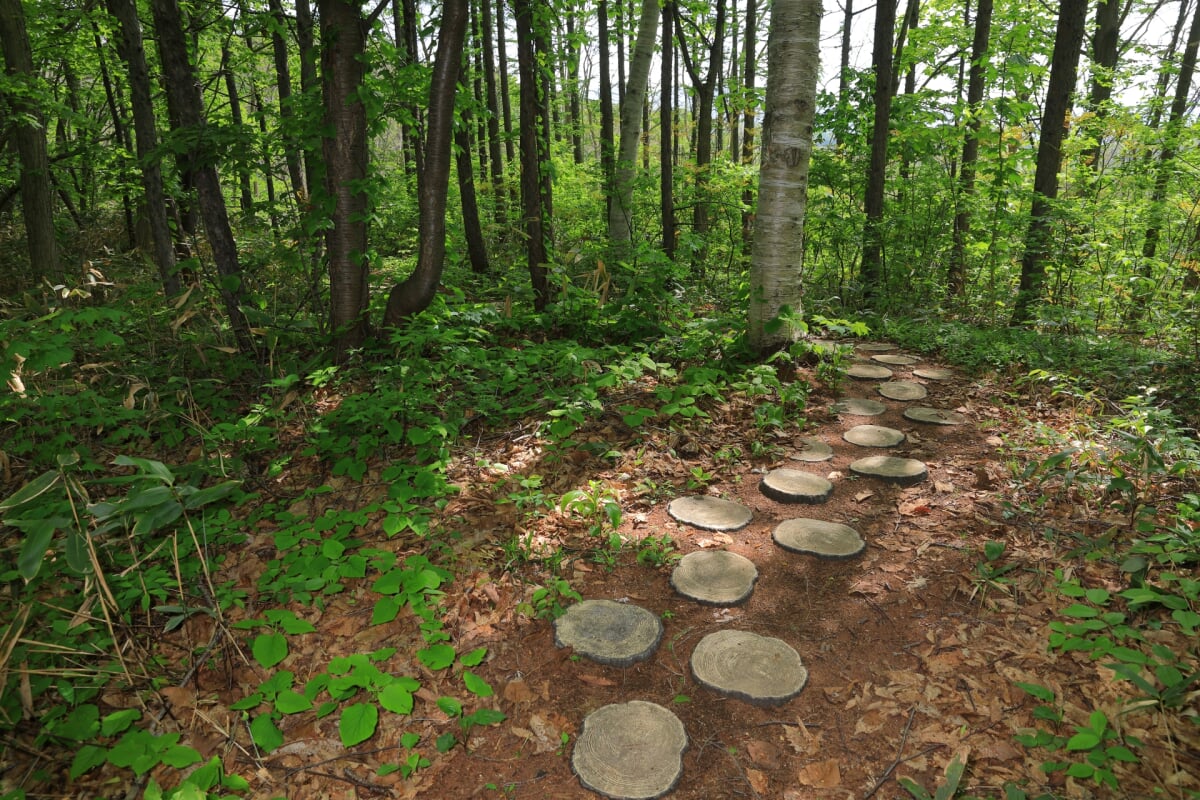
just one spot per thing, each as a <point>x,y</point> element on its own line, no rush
<point>417,291</point>
<point>776,269</point>
<point>620,212</point>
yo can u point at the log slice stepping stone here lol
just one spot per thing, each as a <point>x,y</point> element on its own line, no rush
<point>793,486</point>
<point>902,390</point>
<point>902,471</point>
<point>896,360</point>
<point>934,416</point>
<point>709,513</point>
<point>869,372</point>
<point>813,449</point>
<point>630,751</point>
<point>607,632</point>
<point>715,577</point>
<point>876,347</point>
<point>873,436</point>
<point>934,373</point>
<point>758,669</point>
<point>819,538</point>
<point>859,407</point>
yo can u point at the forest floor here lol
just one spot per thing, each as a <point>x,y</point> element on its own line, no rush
<point>914,647</point>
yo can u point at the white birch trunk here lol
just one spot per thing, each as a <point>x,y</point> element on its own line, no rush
<point>621,209</point>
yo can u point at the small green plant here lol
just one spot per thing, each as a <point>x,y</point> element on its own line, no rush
<point>945,791</point>
<point>699,478</point>
<point>657,551</point>
<point>551,601</point>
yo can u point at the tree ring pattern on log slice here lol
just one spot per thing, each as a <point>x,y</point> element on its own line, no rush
<point>868,372</point>
<point>630,751</point>
<point>934,416</point>
<point>741,664</point>
<point>934,373</point>
<point>903,390</point>
<point>901,471</point>
<point>715,577</point>
<point>876,347</point>
<point>813,449</point>
<point>896,360</point>
<point>858,407</point>
<point>709,513</point>
<point>873,436</point>
<point>794,486</point>
<point>818,537</point>
<point>607,632</point>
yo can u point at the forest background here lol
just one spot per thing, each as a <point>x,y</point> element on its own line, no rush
<point>279,245</point>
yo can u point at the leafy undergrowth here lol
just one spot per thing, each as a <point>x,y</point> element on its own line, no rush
<point>198,582</point>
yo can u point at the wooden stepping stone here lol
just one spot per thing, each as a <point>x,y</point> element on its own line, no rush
<point>876,347</point>
<point>873,436</point>
<point>896,360</point>
<point>934,416</point>
<point>902,390</point>
<point>709,513</point>
<point>859,407</point>
<point>616,634</point>
<point>715,577</point>
<point>934,373</point>
<point>750,667</point>
<point>869,372</point>
<point>794,486</point>
<point>819,538</point>
<point>813,449</point>
<point>901,471</point>
<point>631,751</point>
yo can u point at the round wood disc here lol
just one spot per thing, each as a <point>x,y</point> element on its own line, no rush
<point>869,372</point>
<point>902,390</point>
<point>873,436</point>
<point>896,360</point>
<point>813,449</point>
<point>902,471</point>
<point>876,347</point>
<point>758,669</point>
<point>859,407</point>
<point>934,373</point>
<point>934,416</point>
<point>715,577</point>
<point>632,751</point>
<point>709,513</point>
<point>819,538</point>
<point>794,486</point>
<point>617,634</point>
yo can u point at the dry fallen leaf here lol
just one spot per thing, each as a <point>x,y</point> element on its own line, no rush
<point>821,774</point>
<point>763,753</point>
<point>865,495</point>
<point>913,508</point>
<point>596,680</point>
<point>758,780</point>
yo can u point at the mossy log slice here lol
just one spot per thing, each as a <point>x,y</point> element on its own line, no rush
<point>869,372</point>
<point>934,416</point>
<point>709,513</point>
<point>859,407</point>
<point>934,373</point>
<point>896,360</point>
<point>902,471</point>
<point>616,634</point>
<point>813,449</point>
<point>750,667</point>
<point>902,390</point>
<point>876,347</point>
<point>715,577</point>
<point>794,486</point>
<point>630,751</point>
<point>818,538</point>
<point>873,436</point>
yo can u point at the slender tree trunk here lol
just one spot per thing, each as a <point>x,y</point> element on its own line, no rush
<point>29,132</point>
<point>666,115</point>
<point>245,196</point>
<point>608,145</point>
<point>1064,63</point>
<point>473,232</point>
<point>132,52</point>
<point>871,270</point>
<point>533,118</point>
<point>493,115</point>
<point>283,89</point>
<point>749,115</point>
<point>777,266</point>
<point>730,109</point>
<point>183,84</point>
<point>409,56</point>
<point>957,272</point>
<point>309,84</point>
<point>1106,40</point>
<point>619,35</point>
<point>843,101</point>
<point>121,130</point>
<point>573,61</point>
<point>705,88</point>
<point>620,216</point>
<point>417,291</point>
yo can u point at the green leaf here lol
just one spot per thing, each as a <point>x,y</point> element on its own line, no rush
<point>1080,611</point>
<point>1097,596</point>
<point>438,656</point>
<point>387,769</point>
<point>266,733</point>
<point>386,609</point>
<point>30,491</point>
<point>1168,676</point>
<point>87,757</point>
<point>477,685</point>
<point>1036,691</point>
<point>396,698</point>
<point>119,721</point>
<point>288,621</point>
<point>210,495</point>
<point>1121,753</point>
<point>82,723</point>
<point>1084,740</point>
<point>486,716</point>
<point>180,756</point>
<point>409,740</point>
<point>1098,722</point>
<point>146,466</point>
<point>291,702</point>
<point>445,743</point>
<point>248,702</point>
<point>38,535</point>
<point>450,706</point>
<point>473,658</point>
<point>358,723</point>
<point>269,649</point>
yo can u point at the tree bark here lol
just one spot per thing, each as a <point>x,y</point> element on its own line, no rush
<point>283,89</point>
<point>29,132</point>
<point>417,291</point>
<point>620,222</point>
<point>1105,51</point>
<point>608,141</point>
<point>476,249</point>
<point>242,165</point>
<point>705,88</point>
<point>1064,63</point>
<point>666,116</point>
<point>493,115</point>
<point>505,96</point>
<point>749,115</point>
<point>534,154</point>
<point>871,270</point>
<point>776,270</point>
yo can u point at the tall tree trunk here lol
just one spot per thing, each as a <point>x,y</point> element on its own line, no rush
<point>132,52</point>
<point>730,110</point>
<point>1064,63</point>
<point>408,57</point>
<point>666,110</point>
<point>183,84</point>
<point>29,132</point>
<point>1105,51</point>
<point>116,104</point>
<point>534,155</point>
<point>309,83</point>
<point>242,164</point>
<point>505,96</point>
<point>871,270</point>
<point>472,231</point>
<point>843,97</point>
<point>957,272</point>
<point>776,268</point>
<point>417,291</point>
<point>749,115</point>
<point>608,142</point>
<point>493,115</point>
<point>283,89</point>
<point>705,88</point>
<point>620,222</point>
